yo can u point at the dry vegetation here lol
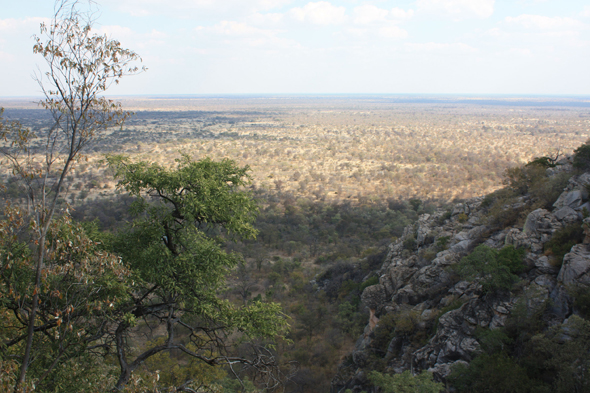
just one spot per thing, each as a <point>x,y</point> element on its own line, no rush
<point>308,151</point>
<point>333,149</point>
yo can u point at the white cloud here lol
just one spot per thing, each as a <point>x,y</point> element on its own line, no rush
<point>233,28</point>
<point>398,13</point>
<point>458,9</point>
<point>270,4</point>
<point>120,32</point>
<point>441,48</point>
<point>367,14</point>
<point>190,8</point>
<point>11,25</point>
<point>320,13</point>
<point>585,12</point>
<point>357,32</point>
<point>266,19</point>
<point>244,34</point>
<point>392,31</point>
<point>544,22</point>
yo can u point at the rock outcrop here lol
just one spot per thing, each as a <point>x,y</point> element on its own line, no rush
<point>417,275</point>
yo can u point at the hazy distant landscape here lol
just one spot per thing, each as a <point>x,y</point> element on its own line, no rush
<point>337,148</point>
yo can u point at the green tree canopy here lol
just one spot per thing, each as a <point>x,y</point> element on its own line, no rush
<point>174,249</point>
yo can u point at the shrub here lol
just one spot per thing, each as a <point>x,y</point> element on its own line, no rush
<point>448,214</point>
<point>406,382</point>
<point>495,269</point>
<point>462,218</point>
<point>442,242</point>
<point>383,334</point>
<point>370,281</point>
<point>582,156</point>
<point>563,240</point>
<point>581,296</point>
<point>544,162</point>
<point>512,258</point>
<point>410,243</point>
<point>429,255</point>
<point>497,373</point>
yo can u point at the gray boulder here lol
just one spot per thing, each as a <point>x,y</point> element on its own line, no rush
<point>566,215</point>
<point>374,297</point>
<point>571,199</point>
<point>540,222</point>
<point>576,266</point>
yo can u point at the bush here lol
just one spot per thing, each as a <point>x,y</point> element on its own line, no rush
<point>581,296</point>
<point>370,281</point>
<point>462,218</point>
<point>406,382</point>
<point>442,242</point>
<point>563,240</point>
<point>495,269</point>
<point>410,244</point>
<point>512,258</point>
<point>384,332</point>
<point>497,373</point>
<point>582,156</point>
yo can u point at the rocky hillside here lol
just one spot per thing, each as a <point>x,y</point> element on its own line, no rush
<point>485,292</point>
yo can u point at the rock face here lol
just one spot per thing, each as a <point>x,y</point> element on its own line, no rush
<point>576,266</point>
<point>416,279</point>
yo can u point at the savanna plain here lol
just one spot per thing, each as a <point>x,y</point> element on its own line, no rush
<point>336,179</point>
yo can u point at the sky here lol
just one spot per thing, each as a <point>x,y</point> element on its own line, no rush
<point>472,47</point>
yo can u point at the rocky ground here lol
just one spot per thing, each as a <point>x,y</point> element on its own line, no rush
<point>421,288</point>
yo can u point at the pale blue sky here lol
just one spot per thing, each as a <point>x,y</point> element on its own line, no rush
<point>349,46</point>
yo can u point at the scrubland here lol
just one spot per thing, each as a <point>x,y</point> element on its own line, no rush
<point>332,150</point>
<point>336,178</point>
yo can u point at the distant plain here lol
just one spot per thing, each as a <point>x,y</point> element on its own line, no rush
<point>332,148</point>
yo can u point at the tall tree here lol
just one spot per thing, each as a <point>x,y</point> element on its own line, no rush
<point>80,65</point>
<point>174,248</point>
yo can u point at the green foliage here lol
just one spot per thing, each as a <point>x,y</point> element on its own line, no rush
<point>512,258</point>
<point>563,240</point>
<point>561,356</point>
<point>81,289</point>
<point>406,321</point>
<point>406,382</point>
<point>544,162</point>
<point>370,281</point>
<point>521,179</point>
<point>582,157</point>
<point>410,243</point>
<point>497,373</point>
<point>349,319</point>
<point>581,295</point>
<point>175,250</point>
<point>506,207</point>
<point>493,340</point>
<point>495,269</point>
<point>415,203</point>
<point>462,218</point>
<point>384,332</point>
<point>442,242</point>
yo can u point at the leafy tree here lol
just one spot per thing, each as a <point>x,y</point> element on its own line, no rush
<point>174,248</point>
<point>80,66</point>
<point>81,285</point>
<point>406,382</point>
